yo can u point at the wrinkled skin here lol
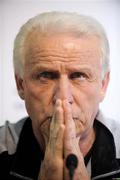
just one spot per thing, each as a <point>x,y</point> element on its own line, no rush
<point>62,87</point>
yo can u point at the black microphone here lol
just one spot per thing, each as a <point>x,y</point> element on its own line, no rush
<point>71,164</point>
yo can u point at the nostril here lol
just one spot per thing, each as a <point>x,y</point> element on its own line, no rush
<point>70,102</point>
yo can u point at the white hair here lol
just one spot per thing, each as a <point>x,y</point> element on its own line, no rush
<point>51,23</point>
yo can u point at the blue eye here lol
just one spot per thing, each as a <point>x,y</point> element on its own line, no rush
<point>47,75</point>
<point>78,75</point>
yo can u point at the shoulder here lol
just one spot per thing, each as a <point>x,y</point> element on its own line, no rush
<point>9,135</point>
<point>114,127</point>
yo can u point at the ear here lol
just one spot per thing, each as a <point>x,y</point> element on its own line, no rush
<point>105,83</point>
<point>20,86</point>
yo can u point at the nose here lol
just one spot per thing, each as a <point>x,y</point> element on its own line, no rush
<point>63,90</point>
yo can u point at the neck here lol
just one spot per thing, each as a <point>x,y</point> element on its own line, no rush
<point>87,142</point>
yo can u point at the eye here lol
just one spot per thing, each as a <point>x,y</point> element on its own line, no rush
<point>78,75</point>
<point>47,75</point>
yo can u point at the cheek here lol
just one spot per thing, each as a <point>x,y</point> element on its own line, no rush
<point>87,103</point>
<point>38,101</point>
<point>36,93</point>
<point>88,96</point>
<point>38,108</point>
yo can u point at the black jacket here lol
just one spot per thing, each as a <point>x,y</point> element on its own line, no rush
<point>25,162</point>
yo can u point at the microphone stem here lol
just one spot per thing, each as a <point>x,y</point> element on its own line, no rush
<point>71,177</point>
<point>71,173</point>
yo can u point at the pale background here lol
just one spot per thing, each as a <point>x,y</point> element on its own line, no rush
<point>14,13</point>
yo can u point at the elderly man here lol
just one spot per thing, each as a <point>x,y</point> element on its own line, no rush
<point>61,63</point>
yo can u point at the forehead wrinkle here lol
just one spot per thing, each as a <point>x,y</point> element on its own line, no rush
<point>63,67</point>
<point>48,55</point>
<point>64,52</point>
<point>67,66</point>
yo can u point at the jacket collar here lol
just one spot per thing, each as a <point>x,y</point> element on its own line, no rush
<point>28,156</point>
<point>103,159</point>
<point>114,127</point>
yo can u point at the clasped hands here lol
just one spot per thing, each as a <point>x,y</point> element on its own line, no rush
<point>62,142</point>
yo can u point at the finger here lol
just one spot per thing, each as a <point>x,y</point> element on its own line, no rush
<point>70,130</point>
<point>57,115</point>
<point>57,130</point>
<point>69,122</point>
<point>53,160</point>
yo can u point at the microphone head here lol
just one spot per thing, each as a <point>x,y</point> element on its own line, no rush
<point>71,161</point>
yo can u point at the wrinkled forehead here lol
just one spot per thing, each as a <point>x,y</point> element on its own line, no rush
<point>63,53</point>
<point>64,46</point>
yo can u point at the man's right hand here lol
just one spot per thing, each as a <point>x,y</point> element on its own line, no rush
<point>52,165</point>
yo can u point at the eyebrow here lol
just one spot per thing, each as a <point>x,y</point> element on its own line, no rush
<point>71,68</point>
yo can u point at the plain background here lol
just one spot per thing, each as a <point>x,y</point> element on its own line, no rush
<point>14,13</point>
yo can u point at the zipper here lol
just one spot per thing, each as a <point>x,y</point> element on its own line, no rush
<point>20,176</point>
<point>106,175</point>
